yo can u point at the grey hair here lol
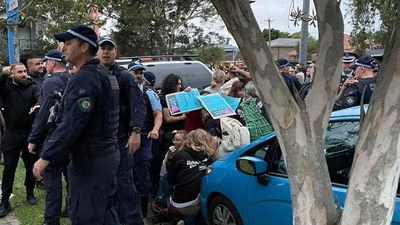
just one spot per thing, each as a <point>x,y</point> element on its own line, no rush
<point>250,91</point>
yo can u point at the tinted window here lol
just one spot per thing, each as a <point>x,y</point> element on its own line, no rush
<point>339,149</point>
<point>194,74</point>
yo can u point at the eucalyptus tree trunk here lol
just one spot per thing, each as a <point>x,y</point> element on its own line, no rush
<point>375,173</point>
<point>300,125</point>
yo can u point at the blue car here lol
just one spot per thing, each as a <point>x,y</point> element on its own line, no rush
<point>250,185</point>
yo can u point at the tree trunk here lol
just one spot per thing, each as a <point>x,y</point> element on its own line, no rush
<point>300,125</point>
<point>375,174</point>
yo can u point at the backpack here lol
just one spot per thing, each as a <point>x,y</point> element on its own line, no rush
<point>234,135</point>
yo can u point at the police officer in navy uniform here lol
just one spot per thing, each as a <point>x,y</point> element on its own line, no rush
<point>132,116</point>
<point>150,132</point>
<point>87,132</point>
<point>292,82</point>
<point>52,90</point>
<point>348,60</point>
<point>362,84</point>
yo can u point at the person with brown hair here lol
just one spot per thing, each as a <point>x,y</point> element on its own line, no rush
<point>187,168</point>
<point>237,89</point>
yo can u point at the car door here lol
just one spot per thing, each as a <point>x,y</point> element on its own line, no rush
<point>270,204</point>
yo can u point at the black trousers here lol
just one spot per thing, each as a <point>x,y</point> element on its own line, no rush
<point>14,145</point>
<point>53,182</point>
<point>92,191</point>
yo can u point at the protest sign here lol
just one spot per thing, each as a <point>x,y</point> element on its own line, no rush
<point>184,101</point>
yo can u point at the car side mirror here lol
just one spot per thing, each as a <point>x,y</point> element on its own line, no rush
<point>251,165</point>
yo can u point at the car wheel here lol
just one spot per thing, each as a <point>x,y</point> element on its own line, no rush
<point>222,212</point>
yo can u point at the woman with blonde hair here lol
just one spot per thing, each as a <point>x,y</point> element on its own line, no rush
<point>185,171</point>
<point>218,79</point>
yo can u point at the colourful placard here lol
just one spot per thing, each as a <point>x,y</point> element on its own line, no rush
<point>184,101</point>
<point>216,105</point>
<point>232,101</point>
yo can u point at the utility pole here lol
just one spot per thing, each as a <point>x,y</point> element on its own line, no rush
<point>304,33</point>
<point>269,31</point>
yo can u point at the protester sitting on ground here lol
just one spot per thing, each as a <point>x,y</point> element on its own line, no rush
<point>165,190</point>
<point>217,81</point>
<point>185,171</point>
<point>252,113</point>
<point>236,89</point>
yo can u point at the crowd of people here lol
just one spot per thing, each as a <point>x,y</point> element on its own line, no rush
<point>77,113</point>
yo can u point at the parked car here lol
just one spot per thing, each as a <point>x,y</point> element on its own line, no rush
<point>194,73</point>
<point>230,194</point>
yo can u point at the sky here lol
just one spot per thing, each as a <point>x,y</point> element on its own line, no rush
<point>278,12</point>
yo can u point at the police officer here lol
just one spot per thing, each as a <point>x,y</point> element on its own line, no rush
<point>150,131</point>
<point>132,115</point>
<point>52,90</point>
<point>21,96</point>
<point>348,60</point>
<point>87,131</point>
<point>362,84</point>
<point>291,81</point>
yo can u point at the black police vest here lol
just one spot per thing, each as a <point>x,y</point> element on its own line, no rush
<point>102,127</point>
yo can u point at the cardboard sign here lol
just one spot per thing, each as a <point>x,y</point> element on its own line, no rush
<point>216,105</point>
<point>184,101</point>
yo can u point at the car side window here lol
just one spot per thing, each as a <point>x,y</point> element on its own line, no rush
<point>340,143</point>
<point>341,138</point>
<point>263,151</point>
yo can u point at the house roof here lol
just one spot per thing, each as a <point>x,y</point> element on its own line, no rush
<point>285,42</point>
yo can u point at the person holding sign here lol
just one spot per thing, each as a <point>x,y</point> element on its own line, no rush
<point>171,84</point>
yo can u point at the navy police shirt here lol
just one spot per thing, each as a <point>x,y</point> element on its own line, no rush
<point>89,115</point>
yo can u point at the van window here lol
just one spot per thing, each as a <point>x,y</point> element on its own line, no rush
<point>194,74</point>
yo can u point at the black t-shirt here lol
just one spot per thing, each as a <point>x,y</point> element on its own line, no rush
<point>185,171</point>
<point>180,125</point>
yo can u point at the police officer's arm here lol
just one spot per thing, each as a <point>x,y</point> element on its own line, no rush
<point>343,88</point>
<point>137,114</point>
<point>39,128</point>
<point>77,106</point>
<point>157,114</point>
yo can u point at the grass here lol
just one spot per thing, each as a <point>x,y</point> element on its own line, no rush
<point>23,212</point>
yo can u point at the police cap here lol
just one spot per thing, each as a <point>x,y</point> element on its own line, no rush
<point>107,39</point>
<point>135,65</point>
<point>365,61</point>
<point>281,62</point>
<point>349,57</point>
<point>55,55</point>
<point>82,32</point>
<point>149,77</point>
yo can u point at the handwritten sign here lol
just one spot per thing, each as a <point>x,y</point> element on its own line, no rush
<point>216,105</point>
<point>184,101</point>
